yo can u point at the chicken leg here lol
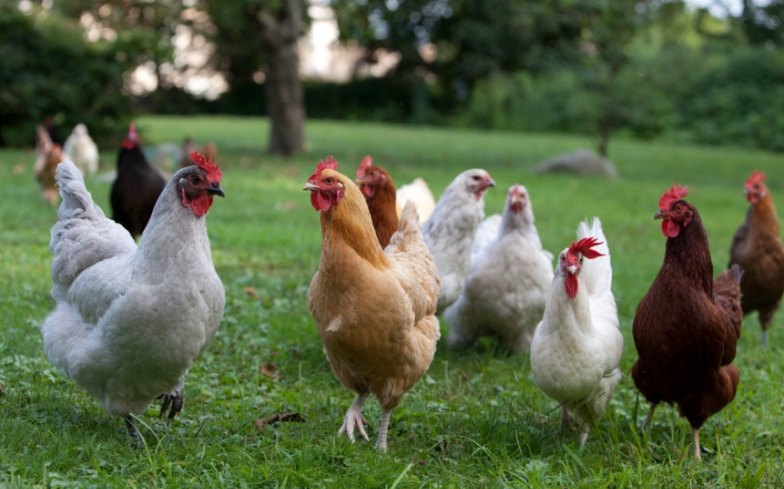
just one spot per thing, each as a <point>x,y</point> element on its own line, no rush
<point>649,418</point>
<point>136,438</point>
<point>354,419</point>
<point>381,443</point>
<point>695,432</point>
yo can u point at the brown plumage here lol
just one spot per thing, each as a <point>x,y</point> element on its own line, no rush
<point>686,327</point>
<point>374,309</point>
<point>379,191</point>
<point>757,248</point>
<point>49,155</point>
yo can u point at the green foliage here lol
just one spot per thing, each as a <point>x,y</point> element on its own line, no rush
<point>49,70</point>
<point>740,100</point>
<point>475,420</point>
<point>552,102</point>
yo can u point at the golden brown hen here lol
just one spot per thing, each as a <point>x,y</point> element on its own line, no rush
<point>758,250</point>
<point>375,310</point>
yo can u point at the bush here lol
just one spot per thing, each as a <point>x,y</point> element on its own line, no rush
<point>48,69</point>
<point>739,101</point>
<point>552,102</point>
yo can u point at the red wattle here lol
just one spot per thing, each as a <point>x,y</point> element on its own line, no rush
<point>201,204</point>
<point>320,202</point>
<point>368,191</point>
<point>571,285</point>
<point>670,229</point>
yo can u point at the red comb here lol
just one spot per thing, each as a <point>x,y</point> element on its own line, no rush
<point>755,178</point>
<point>367,162</point>
<point>671,195</point>
<point>327,163</point>
<point>585,247</point>
<point>132,138</point>
<point>206,164</point>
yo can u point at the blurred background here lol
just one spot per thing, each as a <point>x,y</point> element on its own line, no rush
<point>699,70</point>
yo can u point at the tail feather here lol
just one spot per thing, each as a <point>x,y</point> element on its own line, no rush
<point>596,273</point>
<point>73,191</point>
<point>83,235</point>
<point>408,225</point>
<point>727,294</point>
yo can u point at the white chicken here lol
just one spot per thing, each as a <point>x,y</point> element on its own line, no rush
<point>450,230</point>
<point>129,321</point>
<point>576,349</point>
<point>508,279</point>
<point>81,149</point>
<point>419,193</point>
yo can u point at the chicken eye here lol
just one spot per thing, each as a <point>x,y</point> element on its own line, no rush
<point>328,180</point>
<point>476,178</point>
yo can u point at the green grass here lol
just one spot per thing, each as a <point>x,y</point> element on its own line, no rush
<point>475,420</point>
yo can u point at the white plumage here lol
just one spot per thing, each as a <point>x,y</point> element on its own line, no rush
<point>420,195</point>
<point>129,321</point>
<point>81,149</point>
<point>576,349</point>
<point>508,279</point>
<point>450,230</point>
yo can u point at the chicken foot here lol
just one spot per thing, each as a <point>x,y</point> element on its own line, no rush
<point>381,443</point>
<point>354,419</point>
<point>173,400</point>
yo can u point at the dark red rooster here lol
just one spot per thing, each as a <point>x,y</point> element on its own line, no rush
<point>687,325</point>
<point>758,250</point>
<point>379,191</point>
<point>136,188</point>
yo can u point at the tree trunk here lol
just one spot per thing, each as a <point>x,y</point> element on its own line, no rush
<point>285,101</point>
<point>285,105</point>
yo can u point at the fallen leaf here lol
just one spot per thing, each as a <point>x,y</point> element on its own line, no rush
<point>278,418</point>
<point>269,370</point>
<point>249,291</point>
<point>19,168</point>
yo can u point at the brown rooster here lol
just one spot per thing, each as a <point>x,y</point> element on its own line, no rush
<point>379,191</point>
<point>758,250</point>
<point>686,327</point>
<point>374,309</point>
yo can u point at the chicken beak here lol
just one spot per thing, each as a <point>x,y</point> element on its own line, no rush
<point>572,269</point>
<point>490,182</point>
<point>215,189</point>
<point>311,187</point>
<point>660,214</point>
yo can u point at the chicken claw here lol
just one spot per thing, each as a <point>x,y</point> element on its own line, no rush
<point>175,400</point>
<point>354,419</point>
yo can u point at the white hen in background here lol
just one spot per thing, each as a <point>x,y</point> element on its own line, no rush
<point>450,230</point>
<point>82,150</point>
<point>419,193</point>
<point>508,280</point>
<point>129,321</point>
<point>577,347</point>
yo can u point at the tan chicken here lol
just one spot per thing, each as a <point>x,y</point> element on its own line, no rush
<point>374,309</point>
<point>49,155</point>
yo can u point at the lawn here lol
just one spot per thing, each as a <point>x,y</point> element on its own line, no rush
<point>475,420</point>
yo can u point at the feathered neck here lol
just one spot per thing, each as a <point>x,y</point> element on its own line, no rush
<point>173,227</point>
<point>764,215</point>
<point>511,221</point>
<point>349,222</point>
<point>689,255</point>
<point>564,314</point>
